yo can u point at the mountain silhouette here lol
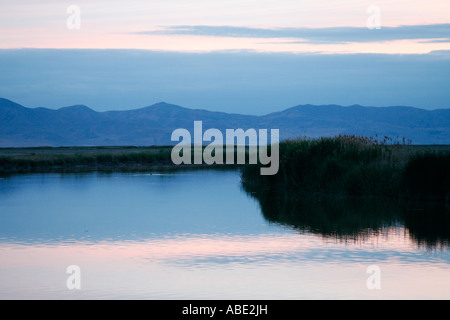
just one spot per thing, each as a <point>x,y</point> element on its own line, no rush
<point>153,125</point>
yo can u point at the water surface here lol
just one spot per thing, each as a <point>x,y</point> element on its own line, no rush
<point>202,235</point>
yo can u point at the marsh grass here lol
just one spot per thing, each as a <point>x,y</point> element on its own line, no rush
<point>22,160</point>
<point>355,166</point>
<point>89,158</point>
<point>427,176</point>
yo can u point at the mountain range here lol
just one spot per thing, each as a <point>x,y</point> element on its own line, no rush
<point>153,125</point>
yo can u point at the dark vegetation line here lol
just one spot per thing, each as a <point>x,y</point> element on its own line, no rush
<point>80,159</point>
<point>76,159</point>
<point>353,166</point>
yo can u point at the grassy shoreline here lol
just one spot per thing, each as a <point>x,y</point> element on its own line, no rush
<point>86,159</point>
<point>361,167</point>
<point>28,160</point>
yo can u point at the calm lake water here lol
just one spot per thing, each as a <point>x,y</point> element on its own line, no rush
<point>201,235</point>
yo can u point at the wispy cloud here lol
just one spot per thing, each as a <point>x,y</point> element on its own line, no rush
<point>330,35</point>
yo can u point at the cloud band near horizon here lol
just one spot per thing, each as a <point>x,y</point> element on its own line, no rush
<point>320,26</point>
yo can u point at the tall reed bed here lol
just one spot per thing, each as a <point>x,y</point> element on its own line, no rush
<point>349,165</point>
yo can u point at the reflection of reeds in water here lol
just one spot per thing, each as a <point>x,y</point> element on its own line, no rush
<point>331,217</point>
<point>345,219</point>
<point>429,224</point>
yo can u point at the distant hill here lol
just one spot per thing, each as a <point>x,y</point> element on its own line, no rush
<point>153,125</point>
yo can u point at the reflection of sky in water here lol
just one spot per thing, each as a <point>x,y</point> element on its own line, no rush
<point>190,235</point>
<point>129,206</point>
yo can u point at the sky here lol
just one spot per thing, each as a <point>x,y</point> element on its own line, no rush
<point>246,56</point>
